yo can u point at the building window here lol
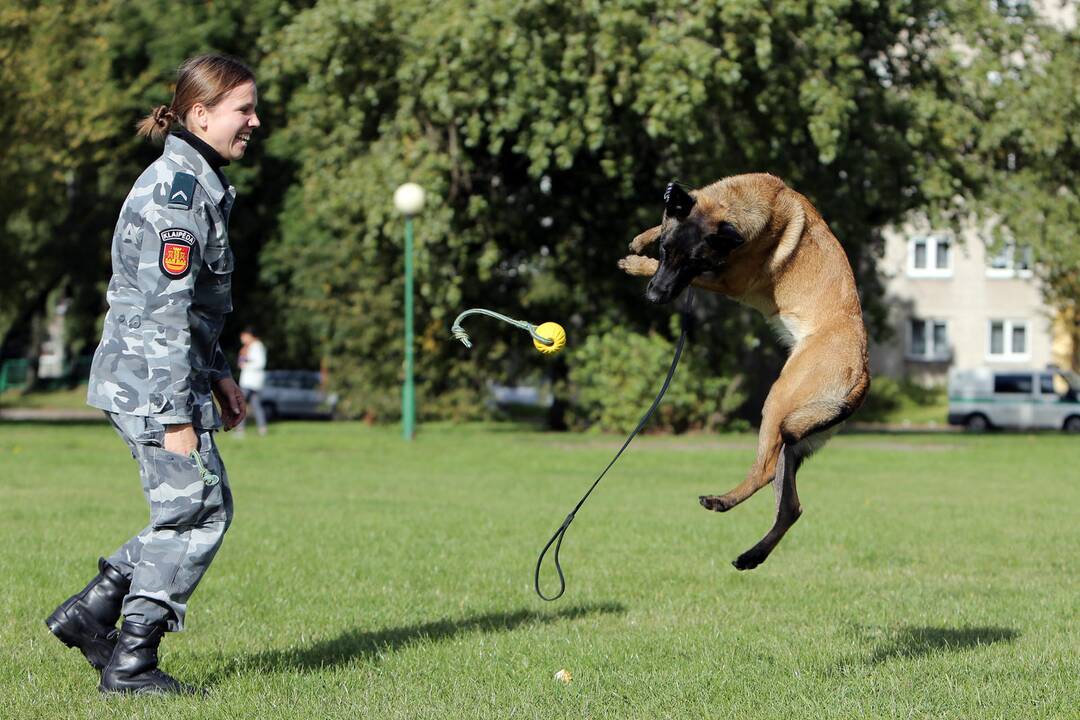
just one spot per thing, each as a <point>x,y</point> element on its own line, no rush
<point>928,340</point>
<point>1009,261</point>
<point>1008,340</point>
<point>929,256</point>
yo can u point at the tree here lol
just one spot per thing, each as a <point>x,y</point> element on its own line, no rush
<point>55,100</point>
<point>544,133</point>
<point>1024,154</point>
<point>75,78</point>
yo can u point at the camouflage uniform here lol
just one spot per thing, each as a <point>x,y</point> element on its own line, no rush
<point>156,365</point>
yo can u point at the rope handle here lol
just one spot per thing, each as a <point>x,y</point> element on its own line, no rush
<point>460,334</point>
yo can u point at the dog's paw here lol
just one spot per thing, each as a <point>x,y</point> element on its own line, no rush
<point>644,240</point>
<point>639,265</point>
<point>716,503</point>
<point>748,560</point>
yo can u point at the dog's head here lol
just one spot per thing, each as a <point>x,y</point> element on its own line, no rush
<point>693,240</point>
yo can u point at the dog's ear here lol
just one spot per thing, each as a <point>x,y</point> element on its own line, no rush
<point>677,202</point>
<point>725,239</point>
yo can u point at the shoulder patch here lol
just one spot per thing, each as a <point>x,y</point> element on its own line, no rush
<point>182,191</point>
<point>174,260</point>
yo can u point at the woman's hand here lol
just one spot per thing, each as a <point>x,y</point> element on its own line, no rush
<point>231,399</point>
<point>181,439</point>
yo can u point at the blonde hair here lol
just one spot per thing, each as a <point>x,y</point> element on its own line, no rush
<point>204,79</point>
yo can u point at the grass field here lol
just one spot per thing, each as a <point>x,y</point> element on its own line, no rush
<point>65,399</point>
<point>930,576</point>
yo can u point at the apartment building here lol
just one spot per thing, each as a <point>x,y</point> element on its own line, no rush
<point>953,303</point>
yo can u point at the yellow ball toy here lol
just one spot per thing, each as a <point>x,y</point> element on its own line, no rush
<point>553,332</point>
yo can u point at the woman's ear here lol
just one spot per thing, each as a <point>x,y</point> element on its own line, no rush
<point>198,116</point>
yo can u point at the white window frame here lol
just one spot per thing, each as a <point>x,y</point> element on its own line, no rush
<point>1008,325</point>
<point>933,353</point>
<point>1010,270</point>
<point>931,270</point>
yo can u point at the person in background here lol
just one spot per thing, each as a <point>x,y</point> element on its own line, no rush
<point>252,377</point>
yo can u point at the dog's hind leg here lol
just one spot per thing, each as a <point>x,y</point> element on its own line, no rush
<point>770,444</point>
<point>788,511</point>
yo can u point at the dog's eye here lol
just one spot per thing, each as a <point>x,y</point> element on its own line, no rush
<point>725,239</point>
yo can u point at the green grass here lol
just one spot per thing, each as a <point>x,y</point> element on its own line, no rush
<point>933,412</point>
<point>366,577</point>
<point>65,399</point>
<point>903,403</point>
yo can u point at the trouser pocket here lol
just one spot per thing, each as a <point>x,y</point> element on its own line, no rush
<point>182,491</point>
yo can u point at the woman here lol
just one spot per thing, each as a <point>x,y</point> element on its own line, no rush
<point>155,372</point>
<point>252,377</point>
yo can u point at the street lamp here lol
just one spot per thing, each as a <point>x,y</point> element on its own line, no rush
<point>409,200</point>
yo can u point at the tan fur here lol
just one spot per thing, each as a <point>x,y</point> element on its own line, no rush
<point>794,271</point>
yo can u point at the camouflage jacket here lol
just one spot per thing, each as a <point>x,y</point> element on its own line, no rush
<point>170,290</point>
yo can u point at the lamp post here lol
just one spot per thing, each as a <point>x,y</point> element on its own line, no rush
<point>409,200</point>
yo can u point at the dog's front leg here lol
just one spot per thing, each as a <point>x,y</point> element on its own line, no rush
<point>644,240</point>
<point>647,266</point>
<point>639,265</point>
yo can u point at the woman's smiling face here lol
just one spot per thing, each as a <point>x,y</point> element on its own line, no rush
<point>227,126</point>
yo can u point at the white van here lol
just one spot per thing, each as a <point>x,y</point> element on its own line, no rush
<point>981,398</point>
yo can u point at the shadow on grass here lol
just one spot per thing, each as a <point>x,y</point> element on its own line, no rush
<point>913,642</point>
<point>358,644</point>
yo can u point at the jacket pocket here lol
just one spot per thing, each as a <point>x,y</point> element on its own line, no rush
<point>219,258</point>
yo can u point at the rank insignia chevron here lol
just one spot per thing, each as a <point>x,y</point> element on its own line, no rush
<point>182,191</point>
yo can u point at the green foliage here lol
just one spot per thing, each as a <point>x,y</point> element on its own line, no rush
<point>56,105</point>
<point>615,376</point>
<point>75,77</point>
<point>899,401</point>
<point>1028,146</point>
<point>543,132</point>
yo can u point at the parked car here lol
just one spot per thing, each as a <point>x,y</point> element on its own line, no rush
<point>980,399</point>
<point>296,394</point>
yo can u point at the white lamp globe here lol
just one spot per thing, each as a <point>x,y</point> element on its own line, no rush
<point>409,199</point>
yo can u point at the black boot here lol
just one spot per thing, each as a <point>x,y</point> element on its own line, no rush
<point>133,667</point>
<point>88,620</point>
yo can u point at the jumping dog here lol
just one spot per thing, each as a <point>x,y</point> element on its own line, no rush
<point>753,239</point>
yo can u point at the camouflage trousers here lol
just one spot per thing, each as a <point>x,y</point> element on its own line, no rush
<point>188,519</point>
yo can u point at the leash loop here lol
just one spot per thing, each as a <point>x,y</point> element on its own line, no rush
<point>560,534</point>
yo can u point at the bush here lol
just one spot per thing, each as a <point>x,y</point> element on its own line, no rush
<point>892,400</point>
<point>614,378</point>
<point>884,398</point>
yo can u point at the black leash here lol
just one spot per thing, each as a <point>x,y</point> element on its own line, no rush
<point>561,532</point>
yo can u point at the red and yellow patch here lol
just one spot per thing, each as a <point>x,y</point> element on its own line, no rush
<point>175,257</point>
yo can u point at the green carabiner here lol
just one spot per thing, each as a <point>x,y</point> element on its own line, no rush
<point>209,478</point>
